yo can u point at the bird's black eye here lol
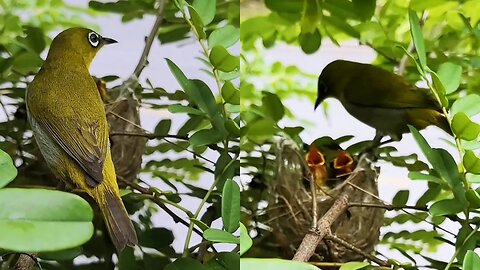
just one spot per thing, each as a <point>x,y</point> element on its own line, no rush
<point>93,39</point>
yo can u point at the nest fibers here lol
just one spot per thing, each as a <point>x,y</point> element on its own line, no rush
<point>290,210</point>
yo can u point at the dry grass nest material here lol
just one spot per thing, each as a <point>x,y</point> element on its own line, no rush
<point>290,210</point>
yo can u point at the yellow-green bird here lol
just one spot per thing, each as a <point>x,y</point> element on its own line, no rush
<point>380,99</point>
<point>69,123</point>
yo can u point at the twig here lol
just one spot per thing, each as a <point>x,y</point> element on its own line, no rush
<point>26,262</point>
<point>158,201</point>
<point>388,207</point>
<point>346,244</point>
<point>149,136</point>
<point>313,189</point>
<point>149,40</point>
<point>132,81</point>
<point>340,205</point>
<point>403,210</point>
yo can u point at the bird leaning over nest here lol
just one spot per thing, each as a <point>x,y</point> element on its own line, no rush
<point>380,99</point>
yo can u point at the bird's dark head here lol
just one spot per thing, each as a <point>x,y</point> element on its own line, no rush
<point>322,91</point>
<point>332,79</point>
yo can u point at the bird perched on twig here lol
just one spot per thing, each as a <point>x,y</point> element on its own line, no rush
<point>380,99</point>
<point>68,120</point>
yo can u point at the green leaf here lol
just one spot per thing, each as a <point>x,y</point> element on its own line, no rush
<point>35,38</point>
<point>471,162</point>
<point>450,74</point>
<point>261,130</point>
<point>272,106</point>
<point>245,240</point>
<point>446,207</point>
<point>274,264</point>
<point>66,254</point>
<point>178,108</point>
<point>440,160</point>
<point>464,128</point>
<point>231,206</point>
<point>354,265</point>
<point>156,238</point>
<point>473,198</point>
<point>224,36</point>
<point>284,6</point>
<point>417,38</point>
<point>439,88</point>
<point>220,236</point>
<point>200,224</point>
<point>232,128</point>
<point>421,5</point>
<point>163,127</point>
<point>310,42</point>
<point>222,60</point>
<point>342,25</point>
<point>230,93</point>
<point>201,94</point>
<point>401,198</point>
<point>35,220</point>
<point>205,137</point>
<point>365,8</point>
<point>226,261</point>
<point>471,261</point>
<point>197,22</point>
<point>126,259</point>
<point>185,263</point>
<point>420,176</point>
<point>8,171</point>
<point>169,34</point>
<point>467,104</point>
<point>206,10</point>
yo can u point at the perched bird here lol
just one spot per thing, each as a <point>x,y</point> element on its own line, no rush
<point>69,123</point>
<point>380,99</point>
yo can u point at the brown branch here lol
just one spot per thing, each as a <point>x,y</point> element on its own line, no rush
<point>153,197</point>
<point>149,136</point>
<point>388,207</point>
<point>340,205</point>
<point>346,244</point>
<point>26,262</point>
<point>149,40</point>
<point>132,81</point>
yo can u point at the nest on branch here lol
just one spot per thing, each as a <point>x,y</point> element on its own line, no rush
<point>290,209</point>
<point>123,117</point>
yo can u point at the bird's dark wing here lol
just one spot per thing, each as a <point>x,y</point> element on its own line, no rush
<point>385,90</point>
<point>84,141</point>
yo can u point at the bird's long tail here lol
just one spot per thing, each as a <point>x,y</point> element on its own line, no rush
<point>117,221</point>
<point>421,118</point>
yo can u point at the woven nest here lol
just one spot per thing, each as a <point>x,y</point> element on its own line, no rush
<point>290,210</point>
<point>127,151</point>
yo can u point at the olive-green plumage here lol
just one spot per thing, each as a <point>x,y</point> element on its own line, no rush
<point>380,99</point>
<point>69,123</point>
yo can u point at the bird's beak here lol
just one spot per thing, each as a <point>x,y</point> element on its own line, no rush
<point>109,40</point>
<point>317,102</point>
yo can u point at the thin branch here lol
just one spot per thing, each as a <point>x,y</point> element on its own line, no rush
<point>388,207</point>
<point>340,205</point>
<point>26,262</point>
<point>149,40</point>
<point>160,202</point>
<point>132,81</point>
<point>149,136</point>
<point>346,244</point>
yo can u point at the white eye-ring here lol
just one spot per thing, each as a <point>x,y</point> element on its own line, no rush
<point>93,39</point>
